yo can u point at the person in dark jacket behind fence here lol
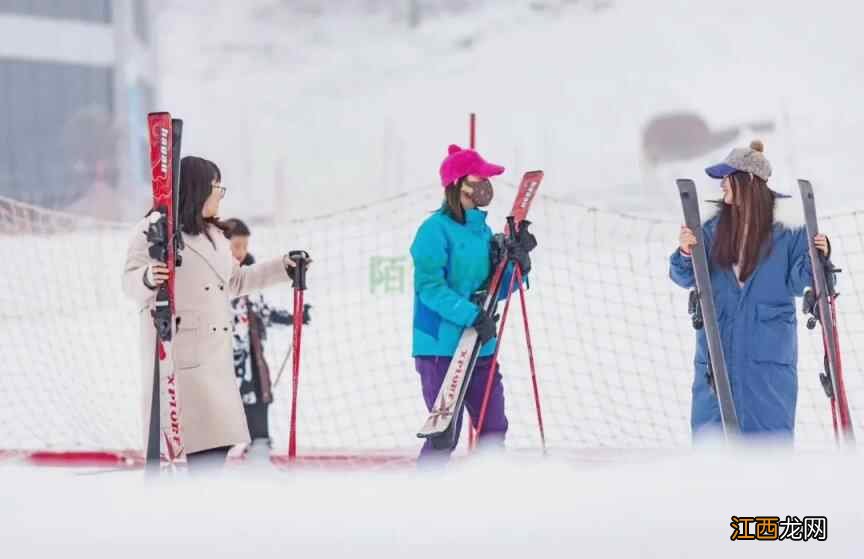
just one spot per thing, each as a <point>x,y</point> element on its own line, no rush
<point>252,317</point>
<point>757,268</point>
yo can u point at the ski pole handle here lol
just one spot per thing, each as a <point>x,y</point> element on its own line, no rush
<point>301,261</point>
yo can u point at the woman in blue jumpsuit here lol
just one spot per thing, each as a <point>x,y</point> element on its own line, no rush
<point>757,269</point>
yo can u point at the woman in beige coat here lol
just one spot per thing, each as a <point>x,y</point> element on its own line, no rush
<point>212,416</point>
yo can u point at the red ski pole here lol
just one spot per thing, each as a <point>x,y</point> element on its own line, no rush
<point>839,403</point>
<point>518,272</point>
<point>300,259</point>
<point>472,143</point>
<point>493,368</point>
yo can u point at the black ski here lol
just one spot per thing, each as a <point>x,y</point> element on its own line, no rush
<point>703,311</point>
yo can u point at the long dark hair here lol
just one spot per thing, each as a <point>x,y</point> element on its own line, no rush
<point>453,201</point>
<point>744,230</point>
<point>196,184</point>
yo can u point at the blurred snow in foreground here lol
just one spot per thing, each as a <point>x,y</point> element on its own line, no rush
<point>673,506</point>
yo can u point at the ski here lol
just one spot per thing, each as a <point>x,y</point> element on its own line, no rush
<point>165,437</point>
<point>820,304</point>
<point>703,312</point>
<point>440,425</point>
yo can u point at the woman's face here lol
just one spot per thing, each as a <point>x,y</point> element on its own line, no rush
<point>239,247</point>
<point>467,202</point>
<point>211,205</point>
<point>728,194</point>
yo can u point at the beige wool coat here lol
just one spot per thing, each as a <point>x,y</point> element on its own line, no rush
<point>211,411</point>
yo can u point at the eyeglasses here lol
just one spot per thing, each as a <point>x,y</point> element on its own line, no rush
<point>222,190</point>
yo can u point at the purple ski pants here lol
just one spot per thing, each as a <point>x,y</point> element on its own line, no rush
<point>432,371</point>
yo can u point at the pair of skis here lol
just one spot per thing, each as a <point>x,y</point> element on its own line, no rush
<point>820,303</point>
<point>440,425</point>
<point>165,436</point>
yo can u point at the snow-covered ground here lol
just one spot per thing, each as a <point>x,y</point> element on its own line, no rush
<point>669,507</point>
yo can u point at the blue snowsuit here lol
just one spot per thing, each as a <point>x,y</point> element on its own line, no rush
<point>758,329</point>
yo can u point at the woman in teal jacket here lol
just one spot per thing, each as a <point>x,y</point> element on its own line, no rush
<point>452,260</point>
<point>757,269</point>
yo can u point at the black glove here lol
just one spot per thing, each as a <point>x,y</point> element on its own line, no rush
<point>294,255</point>
<point>521,246</point>
<point>486,327</point>
<point>497,250</point>
<point>524,238</point>
<point>521,257</point>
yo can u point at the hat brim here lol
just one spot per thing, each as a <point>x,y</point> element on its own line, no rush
<point>487,170</point>
<point>723,170</point>
<point>720,171</point>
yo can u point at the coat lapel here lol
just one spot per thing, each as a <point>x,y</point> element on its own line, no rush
<point>200,246</point>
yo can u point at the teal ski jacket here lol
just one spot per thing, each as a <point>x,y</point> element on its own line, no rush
<point>451,262</point>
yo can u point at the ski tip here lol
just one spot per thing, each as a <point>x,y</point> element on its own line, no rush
<point>538,174</point>
<point>804,184</point>
<point>685,184</point>
<point>158,114</point>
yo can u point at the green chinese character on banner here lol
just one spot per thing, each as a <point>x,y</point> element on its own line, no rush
<point>387,275</point>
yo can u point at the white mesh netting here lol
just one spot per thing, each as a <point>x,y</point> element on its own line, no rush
<point>611,333</point>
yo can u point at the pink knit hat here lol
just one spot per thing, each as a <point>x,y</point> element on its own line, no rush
<point>463,162</point>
